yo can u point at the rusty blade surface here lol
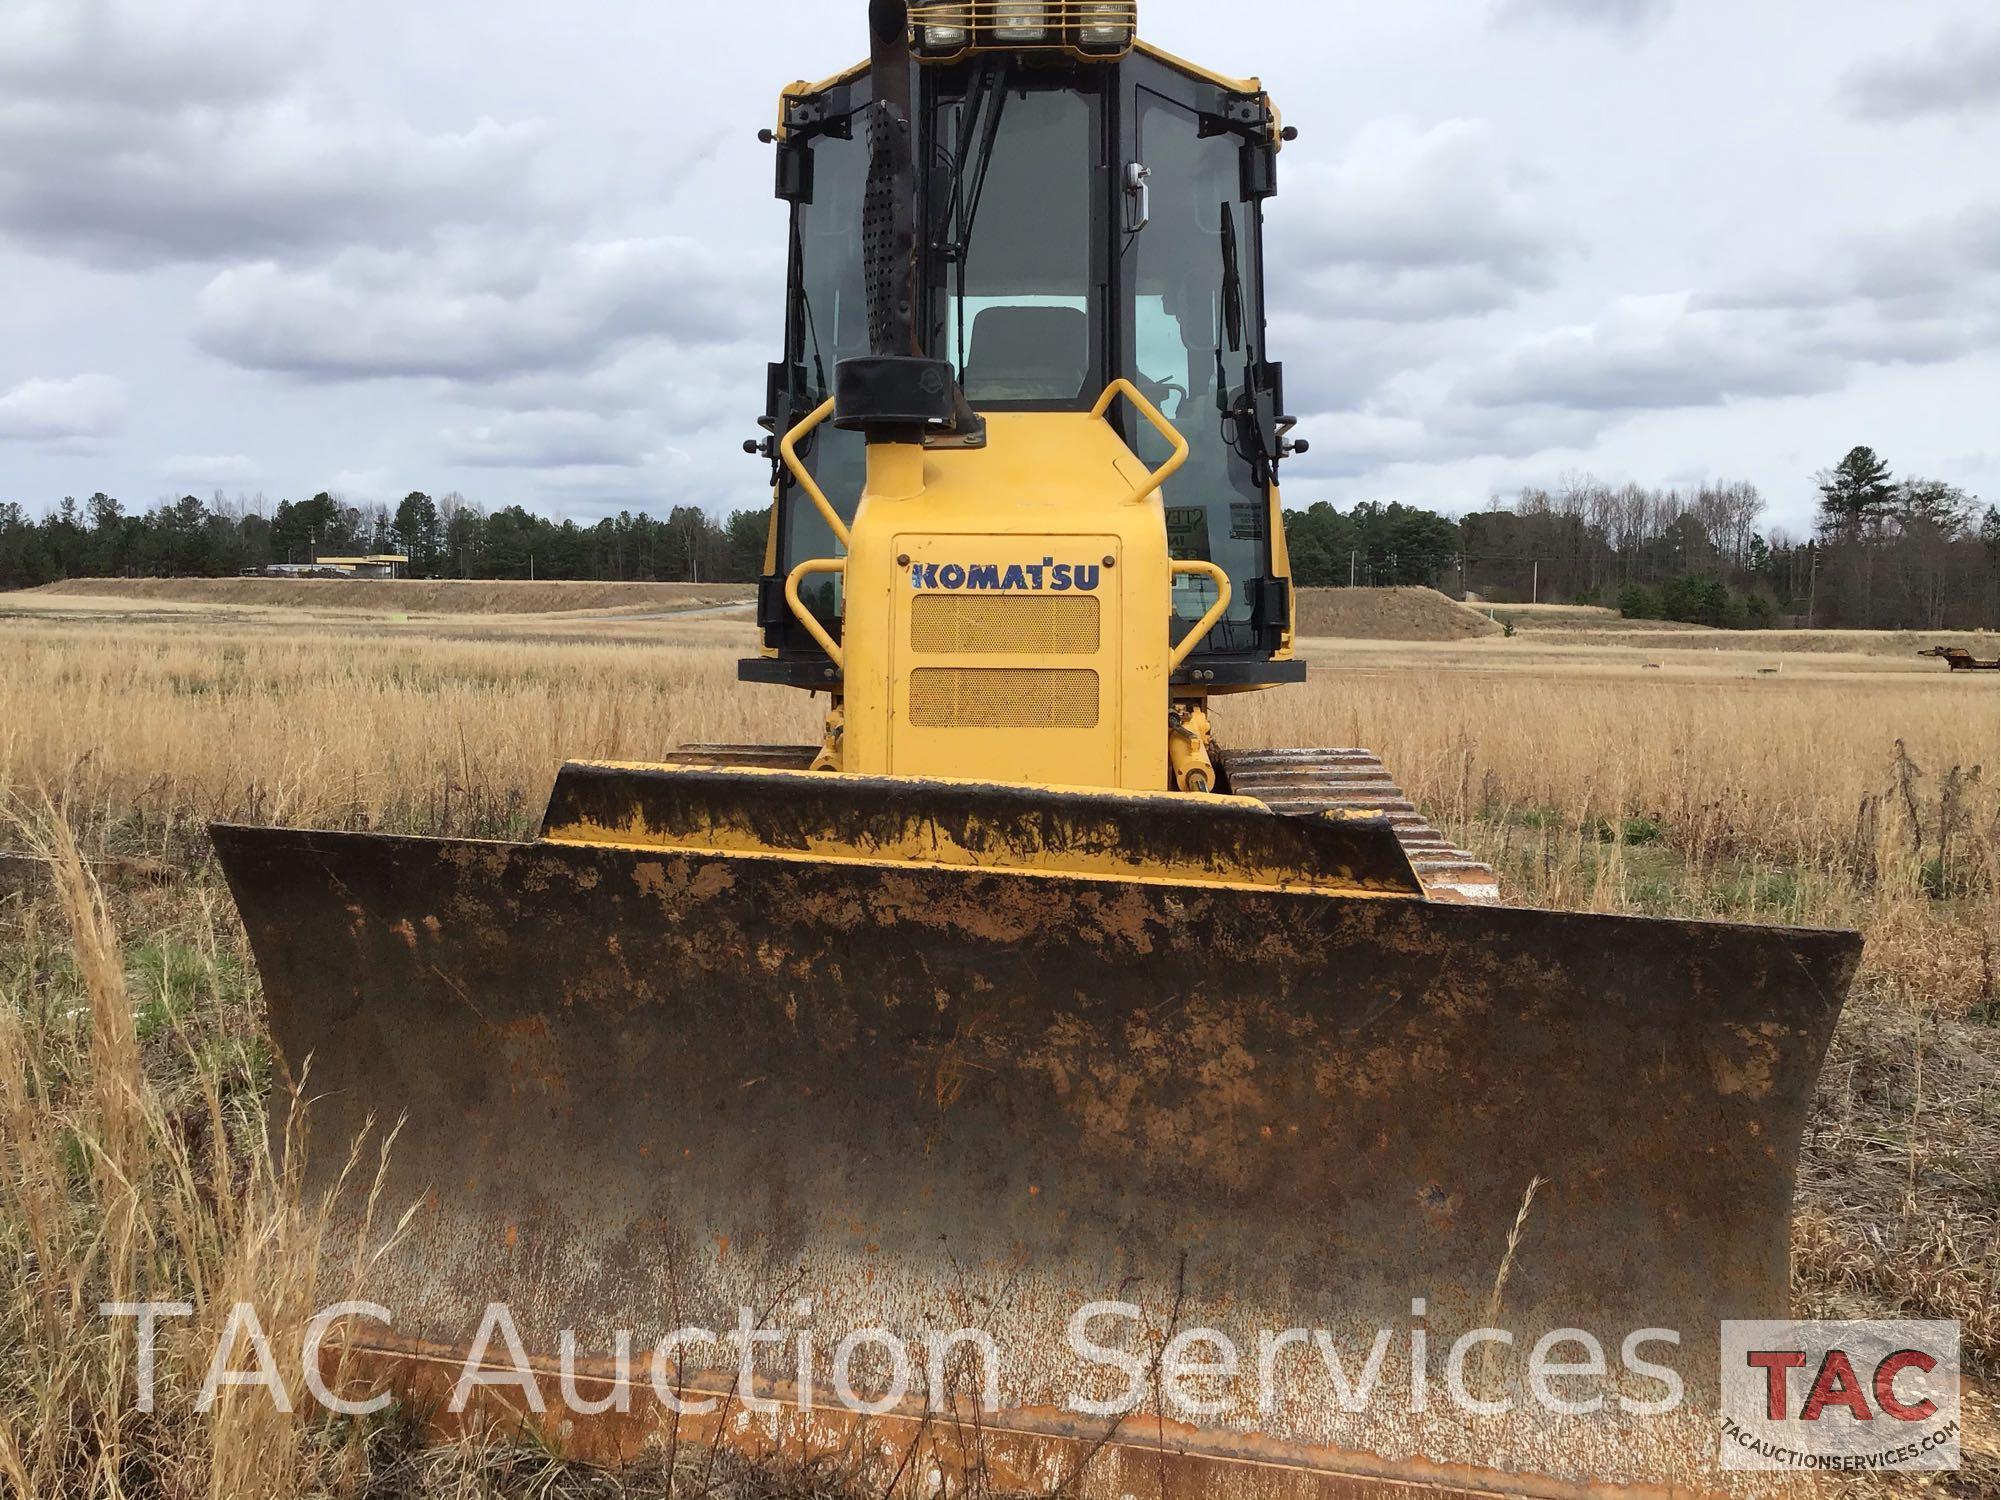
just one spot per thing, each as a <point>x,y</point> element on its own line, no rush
<point>646,1088</point>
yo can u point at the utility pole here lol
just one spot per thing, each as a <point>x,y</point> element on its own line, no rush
<point>1351,569</point>
<point>1535,581</point>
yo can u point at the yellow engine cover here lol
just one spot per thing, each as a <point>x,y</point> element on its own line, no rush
<point>1006,611</point>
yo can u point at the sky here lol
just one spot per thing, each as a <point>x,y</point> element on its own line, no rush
<point>529,252</point>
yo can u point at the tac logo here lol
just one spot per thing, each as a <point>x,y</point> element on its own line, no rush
<point>1047,576</point>
<point>1853,1396</point>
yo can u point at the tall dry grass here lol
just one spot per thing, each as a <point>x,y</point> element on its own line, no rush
<point>1869,803</point>
<point>405,595</point>
<point>137,1170</point>
<point>160,728</point>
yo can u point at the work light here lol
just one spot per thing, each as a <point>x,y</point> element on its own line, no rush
<point>1105,27</point>
<point>1021,21</point>
<point>944,28</point>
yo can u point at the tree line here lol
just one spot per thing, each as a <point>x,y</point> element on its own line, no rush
<point>446,537</point>
<point>1886,553</point>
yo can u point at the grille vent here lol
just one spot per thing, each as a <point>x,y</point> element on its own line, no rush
<point>1003,698</point>
<point>991,624</point>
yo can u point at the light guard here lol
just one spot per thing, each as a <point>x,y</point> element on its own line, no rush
<point>1089,30</point>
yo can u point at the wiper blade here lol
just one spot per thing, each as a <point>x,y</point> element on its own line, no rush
<point>1233,283</point>
<point>982,112</point>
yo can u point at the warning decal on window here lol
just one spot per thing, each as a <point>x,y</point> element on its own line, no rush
<point>1247,521</point>
<point>1188,533</point>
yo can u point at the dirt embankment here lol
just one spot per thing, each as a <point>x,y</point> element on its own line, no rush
<point>411,596</point>
<point>1389,615</point>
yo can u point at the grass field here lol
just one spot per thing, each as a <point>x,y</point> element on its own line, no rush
<point>1837,781</point>
<point>403,596</point>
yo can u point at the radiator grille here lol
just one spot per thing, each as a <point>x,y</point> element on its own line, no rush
<point>1003,698</point>
<point>1027,625</point>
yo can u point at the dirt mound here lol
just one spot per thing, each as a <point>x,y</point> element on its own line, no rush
<point>1389,615</point>
<point>412,596</point>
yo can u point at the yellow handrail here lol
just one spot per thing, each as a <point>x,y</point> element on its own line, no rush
<point>1161,425</point>
<point>1209,621</point>
<point>788,450</point>
<point>805,616</point>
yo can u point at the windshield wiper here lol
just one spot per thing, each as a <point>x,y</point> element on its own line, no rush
<point>980,114</point>
<point>1233,284</point>
<point>1242,428</point>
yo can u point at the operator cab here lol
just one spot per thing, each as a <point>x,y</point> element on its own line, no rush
<point>1089,209</point>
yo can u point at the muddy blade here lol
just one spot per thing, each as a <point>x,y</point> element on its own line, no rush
<point>644,1089</point>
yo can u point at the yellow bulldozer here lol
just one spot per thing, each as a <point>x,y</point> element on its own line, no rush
<point>1024,1008</point>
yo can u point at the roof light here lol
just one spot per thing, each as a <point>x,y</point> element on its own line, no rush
<point>1105,27</point>
<point>937,38</point>
<point>1021,21</point>
<point>1090,30</point>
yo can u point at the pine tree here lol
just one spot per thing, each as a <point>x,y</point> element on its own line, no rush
<point>1854,494</point>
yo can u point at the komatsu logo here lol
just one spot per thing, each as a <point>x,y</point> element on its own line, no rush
<point>1048,576</point>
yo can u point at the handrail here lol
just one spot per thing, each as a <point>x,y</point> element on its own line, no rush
<point>1209,621</point>
<point>788,449</point>
<point>1161,425</point>
<point>805,616</point>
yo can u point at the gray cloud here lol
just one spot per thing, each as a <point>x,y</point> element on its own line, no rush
<point>1379,261</point>
<point>1410,225</point>
<point>480,309</point>
<point>272,176</point>
<point>550,440</point>
<point>1921,295</point>
<point>150,54</point>
<point>1913,293</point>
<point>1678,351</point>
<point>137,132</point>
<point>80,408</point>
<point>1412,425</point>
<point>1956,73</point>
<point>1647,353</point>
<point>1620,15</point>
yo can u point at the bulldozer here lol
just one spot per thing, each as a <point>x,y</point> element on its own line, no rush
<point>1024,1009</point>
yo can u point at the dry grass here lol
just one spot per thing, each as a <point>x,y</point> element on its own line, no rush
<point>138,1170</point>
<point>1844,791</point>
<point>408,596</point>
<point>161,729</point>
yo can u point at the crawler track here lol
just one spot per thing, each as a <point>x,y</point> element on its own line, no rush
<point>1303,783</point>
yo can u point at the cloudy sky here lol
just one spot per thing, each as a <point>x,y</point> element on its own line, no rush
<point>529,252</point>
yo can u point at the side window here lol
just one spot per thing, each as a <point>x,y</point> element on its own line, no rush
<point>827,321</point>
<point>1189,356</point>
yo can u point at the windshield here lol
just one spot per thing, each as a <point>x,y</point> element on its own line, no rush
<point>1183,353</point>
<point>1015,225</point>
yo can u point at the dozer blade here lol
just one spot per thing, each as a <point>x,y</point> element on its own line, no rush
<point>646,1087</point>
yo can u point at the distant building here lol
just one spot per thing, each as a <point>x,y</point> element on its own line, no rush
<point>295,570</point>
<point>375,565</point>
